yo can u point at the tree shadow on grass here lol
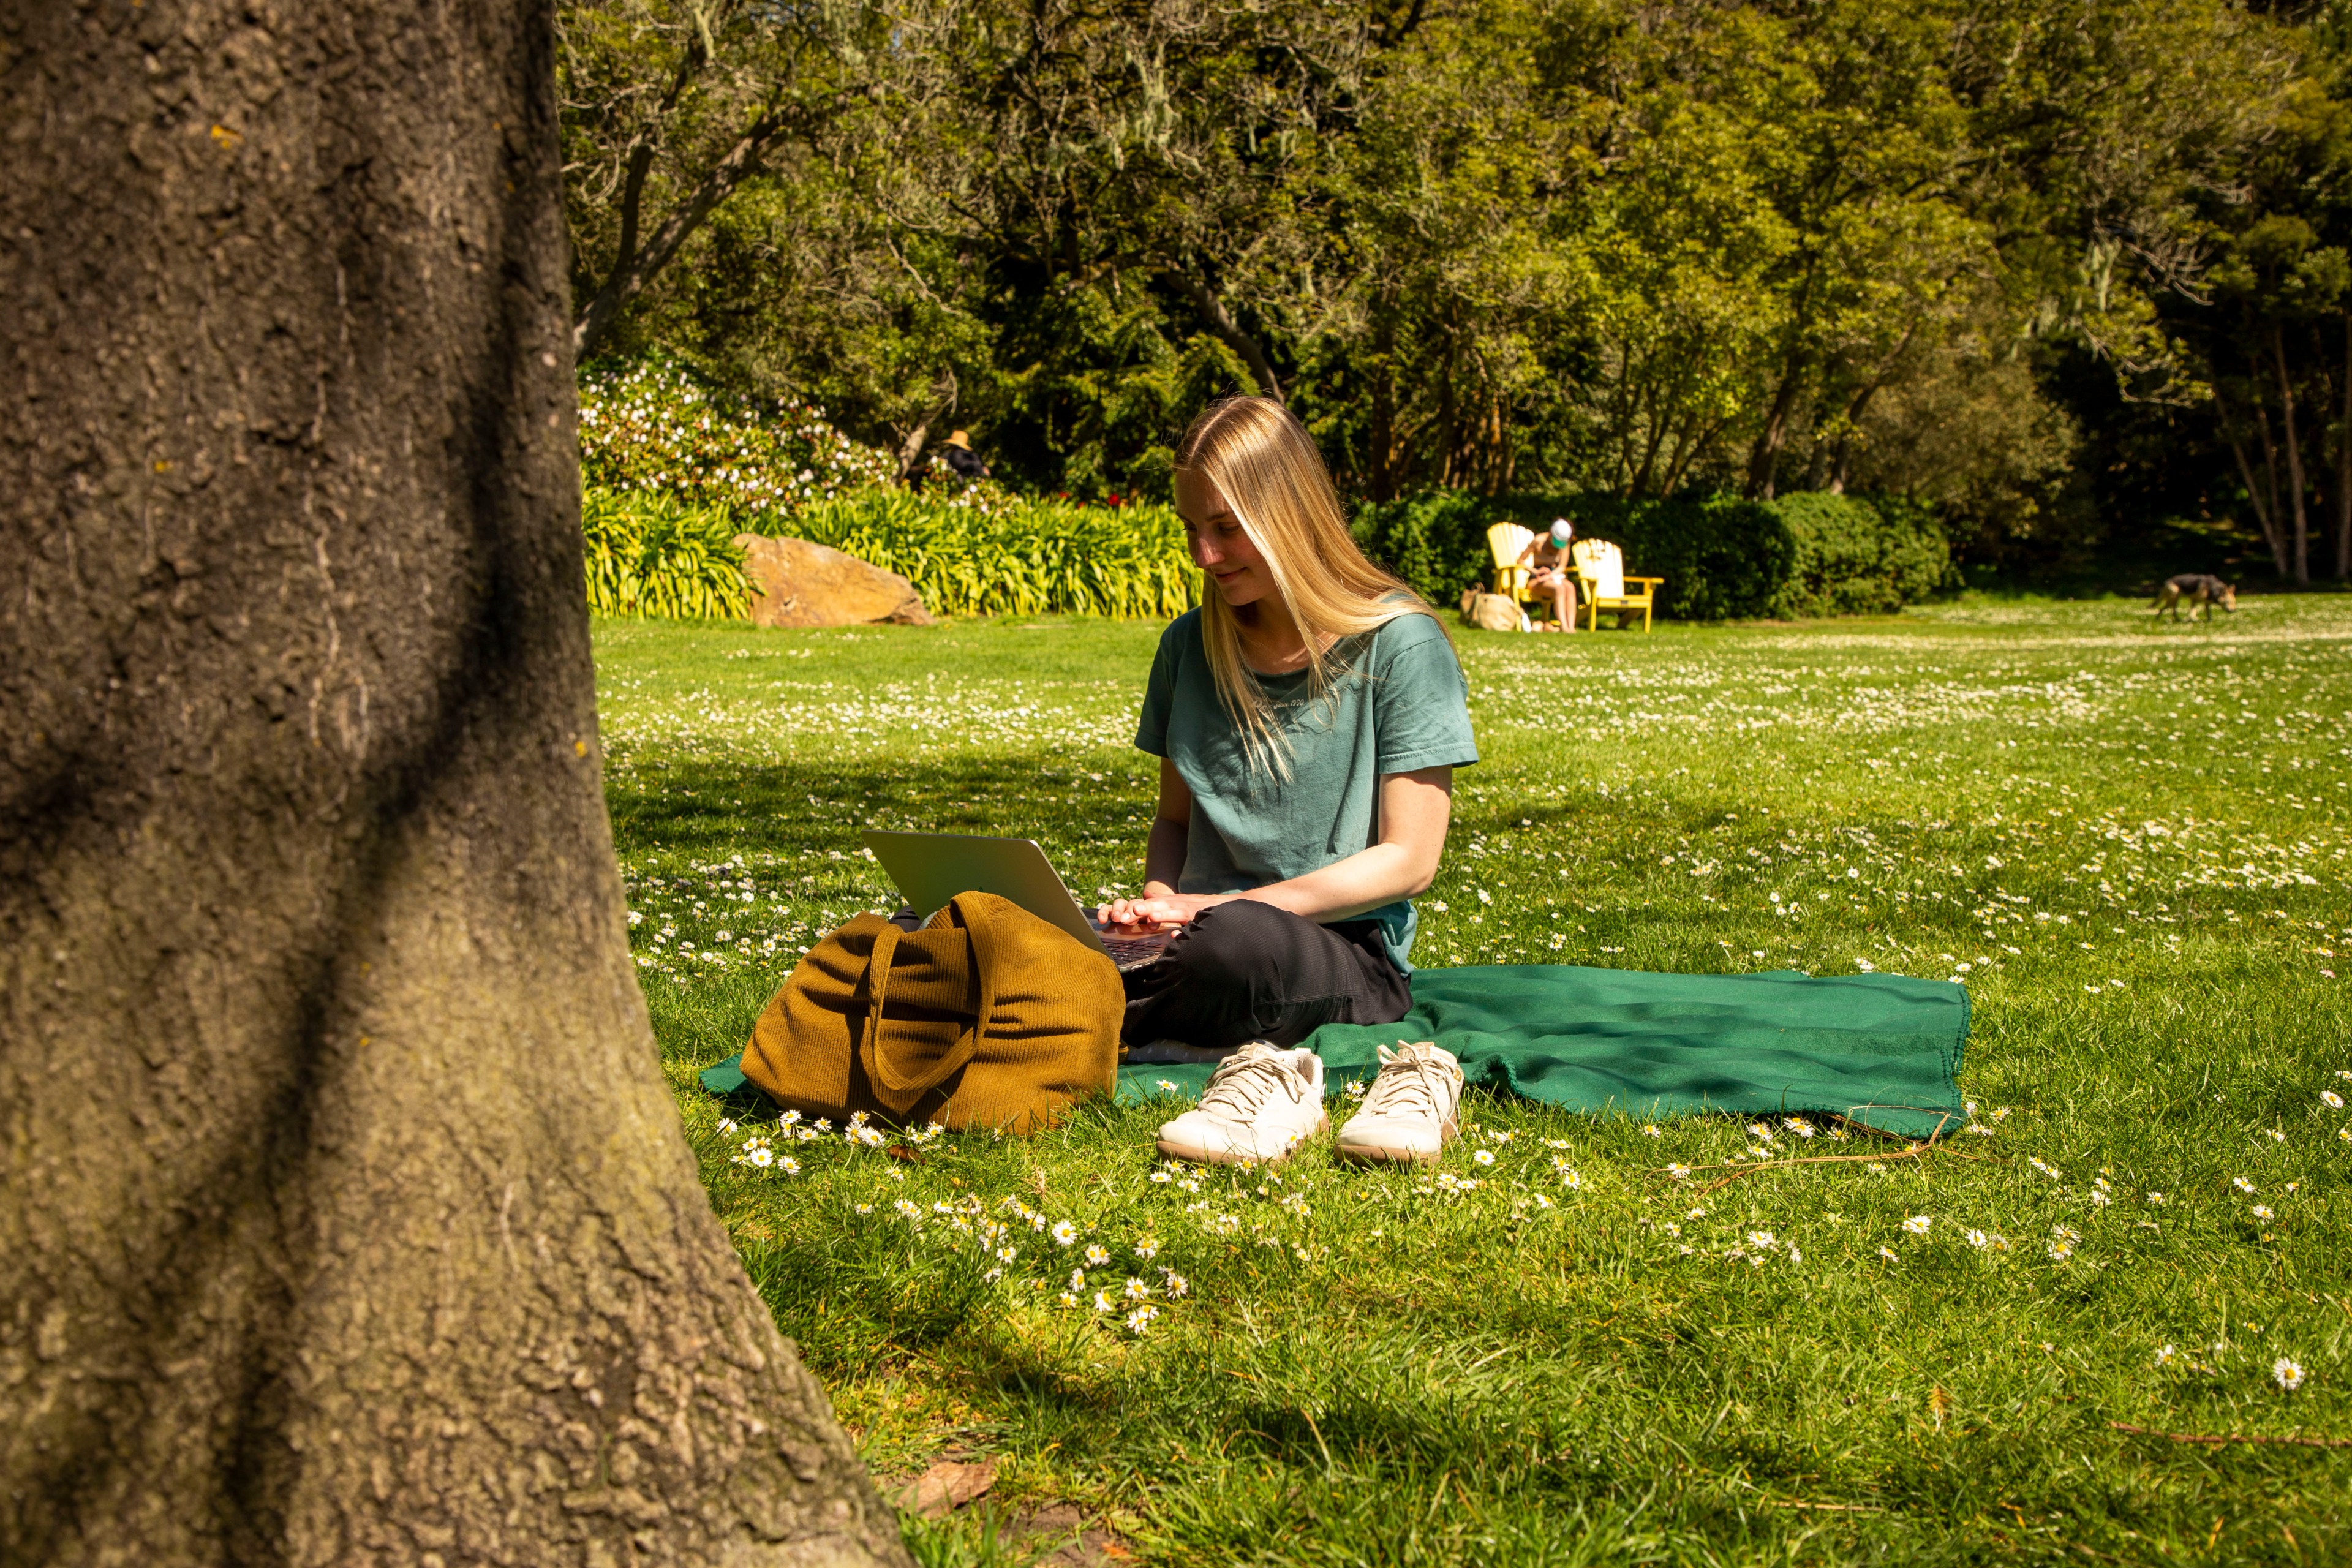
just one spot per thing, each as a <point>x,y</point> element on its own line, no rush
<point>693,805</point>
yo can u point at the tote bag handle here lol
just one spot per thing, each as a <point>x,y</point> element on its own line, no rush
<point>877,981</point>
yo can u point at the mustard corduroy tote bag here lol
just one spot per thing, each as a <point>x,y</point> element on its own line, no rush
<point>988,1016</point>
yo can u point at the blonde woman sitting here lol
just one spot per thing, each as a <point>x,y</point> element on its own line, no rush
<point>1308,718</point>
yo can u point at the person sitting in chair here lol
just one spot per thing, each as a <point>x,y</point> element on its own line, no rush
<point>1550,570</point>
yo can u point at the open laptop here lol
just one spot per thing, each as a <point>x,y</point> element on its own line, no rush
<point>933,868</point>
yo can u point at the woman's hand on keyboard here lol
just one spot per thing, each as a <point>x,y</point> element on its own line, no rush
<point>1157,912</point>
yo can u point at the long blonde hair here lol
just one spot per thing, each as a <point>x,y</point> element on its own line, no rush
<point>1264,464</point>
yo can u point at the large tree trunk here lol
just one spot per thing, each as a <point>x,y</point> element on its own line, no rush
<point>1382,370</point>
<point>1764,455</point>
<point>2271,535</point>
<point>2276,525</point>
<point>2343,467</point>
<point>344,1215</point>
<point>2301,560</point>
<point>2265,514</point>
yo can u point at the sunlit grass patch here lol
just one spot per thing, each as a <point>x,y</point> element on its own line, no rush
<point>1608,1340</point>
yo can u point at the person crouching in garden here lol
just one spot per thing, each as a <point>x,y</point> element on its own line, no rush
<point>1307,717</point>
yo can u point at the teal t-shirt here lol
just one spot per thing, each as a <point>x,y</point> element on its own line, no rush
<point>1402,705</point>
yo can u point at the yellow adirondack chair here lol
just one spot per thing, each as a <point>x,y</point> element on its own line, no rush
<point>1507,542</point>
<point>1600,570</point>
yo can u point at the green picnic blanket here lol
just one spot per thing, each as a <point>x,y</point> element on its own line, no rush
<point>1881,1049</point>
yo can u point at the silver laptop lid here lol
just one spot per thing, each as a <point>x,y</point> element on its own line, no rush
<point>933,868</point>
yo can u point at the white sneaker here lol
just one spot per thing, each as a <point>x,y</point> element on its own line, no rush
<point>1261,1103</point>
<point>1412,1111</point>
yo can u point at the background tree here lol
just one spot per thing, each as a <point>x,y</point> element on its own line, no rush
<point>671,107</point>
<point>345,1216</point>
<point>1638,247</point>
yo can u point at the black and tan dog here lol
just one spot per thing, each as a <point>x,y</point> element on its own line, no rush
<point>2201,590</point>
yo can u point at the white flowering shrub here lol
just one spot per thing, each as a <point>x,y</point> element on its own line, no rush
<point>652,427</point>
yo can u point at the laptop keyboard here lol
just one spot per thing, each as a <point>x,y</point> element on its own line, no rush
<point>1134,952</point>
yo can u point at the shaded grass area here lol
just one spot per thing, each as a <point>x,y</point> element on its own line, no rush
<point>2130,844</point>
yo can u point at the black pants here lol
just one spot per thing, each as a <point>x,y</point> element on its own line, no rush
<point>1247,971</point>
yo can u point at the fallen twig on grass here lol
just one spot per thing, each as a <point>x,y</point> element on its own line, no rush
<point>1826,1507</point>
<point>1916,1150</point>
<point>2220,1437</point>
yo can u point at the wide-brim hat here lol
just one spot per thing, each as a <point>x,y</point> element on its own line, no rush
<point>957,440</point>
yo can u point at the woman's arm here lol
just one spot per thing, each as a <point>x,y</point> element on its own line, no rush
<point>1414,808</point>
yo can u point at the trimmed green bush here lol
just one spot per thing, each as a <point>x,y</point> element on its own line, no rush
<point>1436,541</point>
<point>1722,557</point>
<point>1855,558</point>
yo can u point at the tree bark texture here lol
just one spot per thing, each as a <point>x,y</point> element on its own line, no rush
<point>2274,525</point>
<point>2301,560</point>
<point>1764,456</point>
<point>2343,467</point>
<point>344,1217</point>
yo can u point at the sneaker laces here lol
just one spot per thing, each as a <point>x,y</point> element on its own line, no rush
<point>1244,1080</point>
<point>1408,1080</point>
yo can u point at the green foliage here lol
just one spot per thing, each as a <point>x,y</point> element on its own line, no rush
<point>1644,249</point>
<point>1856,558</point>
<point>1810,553</point>
<point>1023,558</point>
<point>652,554</point>
<point>1436,541</point>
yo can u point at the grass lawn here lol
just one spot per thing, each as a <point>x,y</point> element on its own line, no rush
<point>2131,842</point>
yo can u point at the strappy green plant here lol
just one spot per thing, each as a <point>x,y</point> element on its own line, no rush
<point>652,554</point>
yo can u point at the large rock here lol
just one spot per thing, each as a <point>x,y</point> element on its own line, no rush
<point>797,583</point>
